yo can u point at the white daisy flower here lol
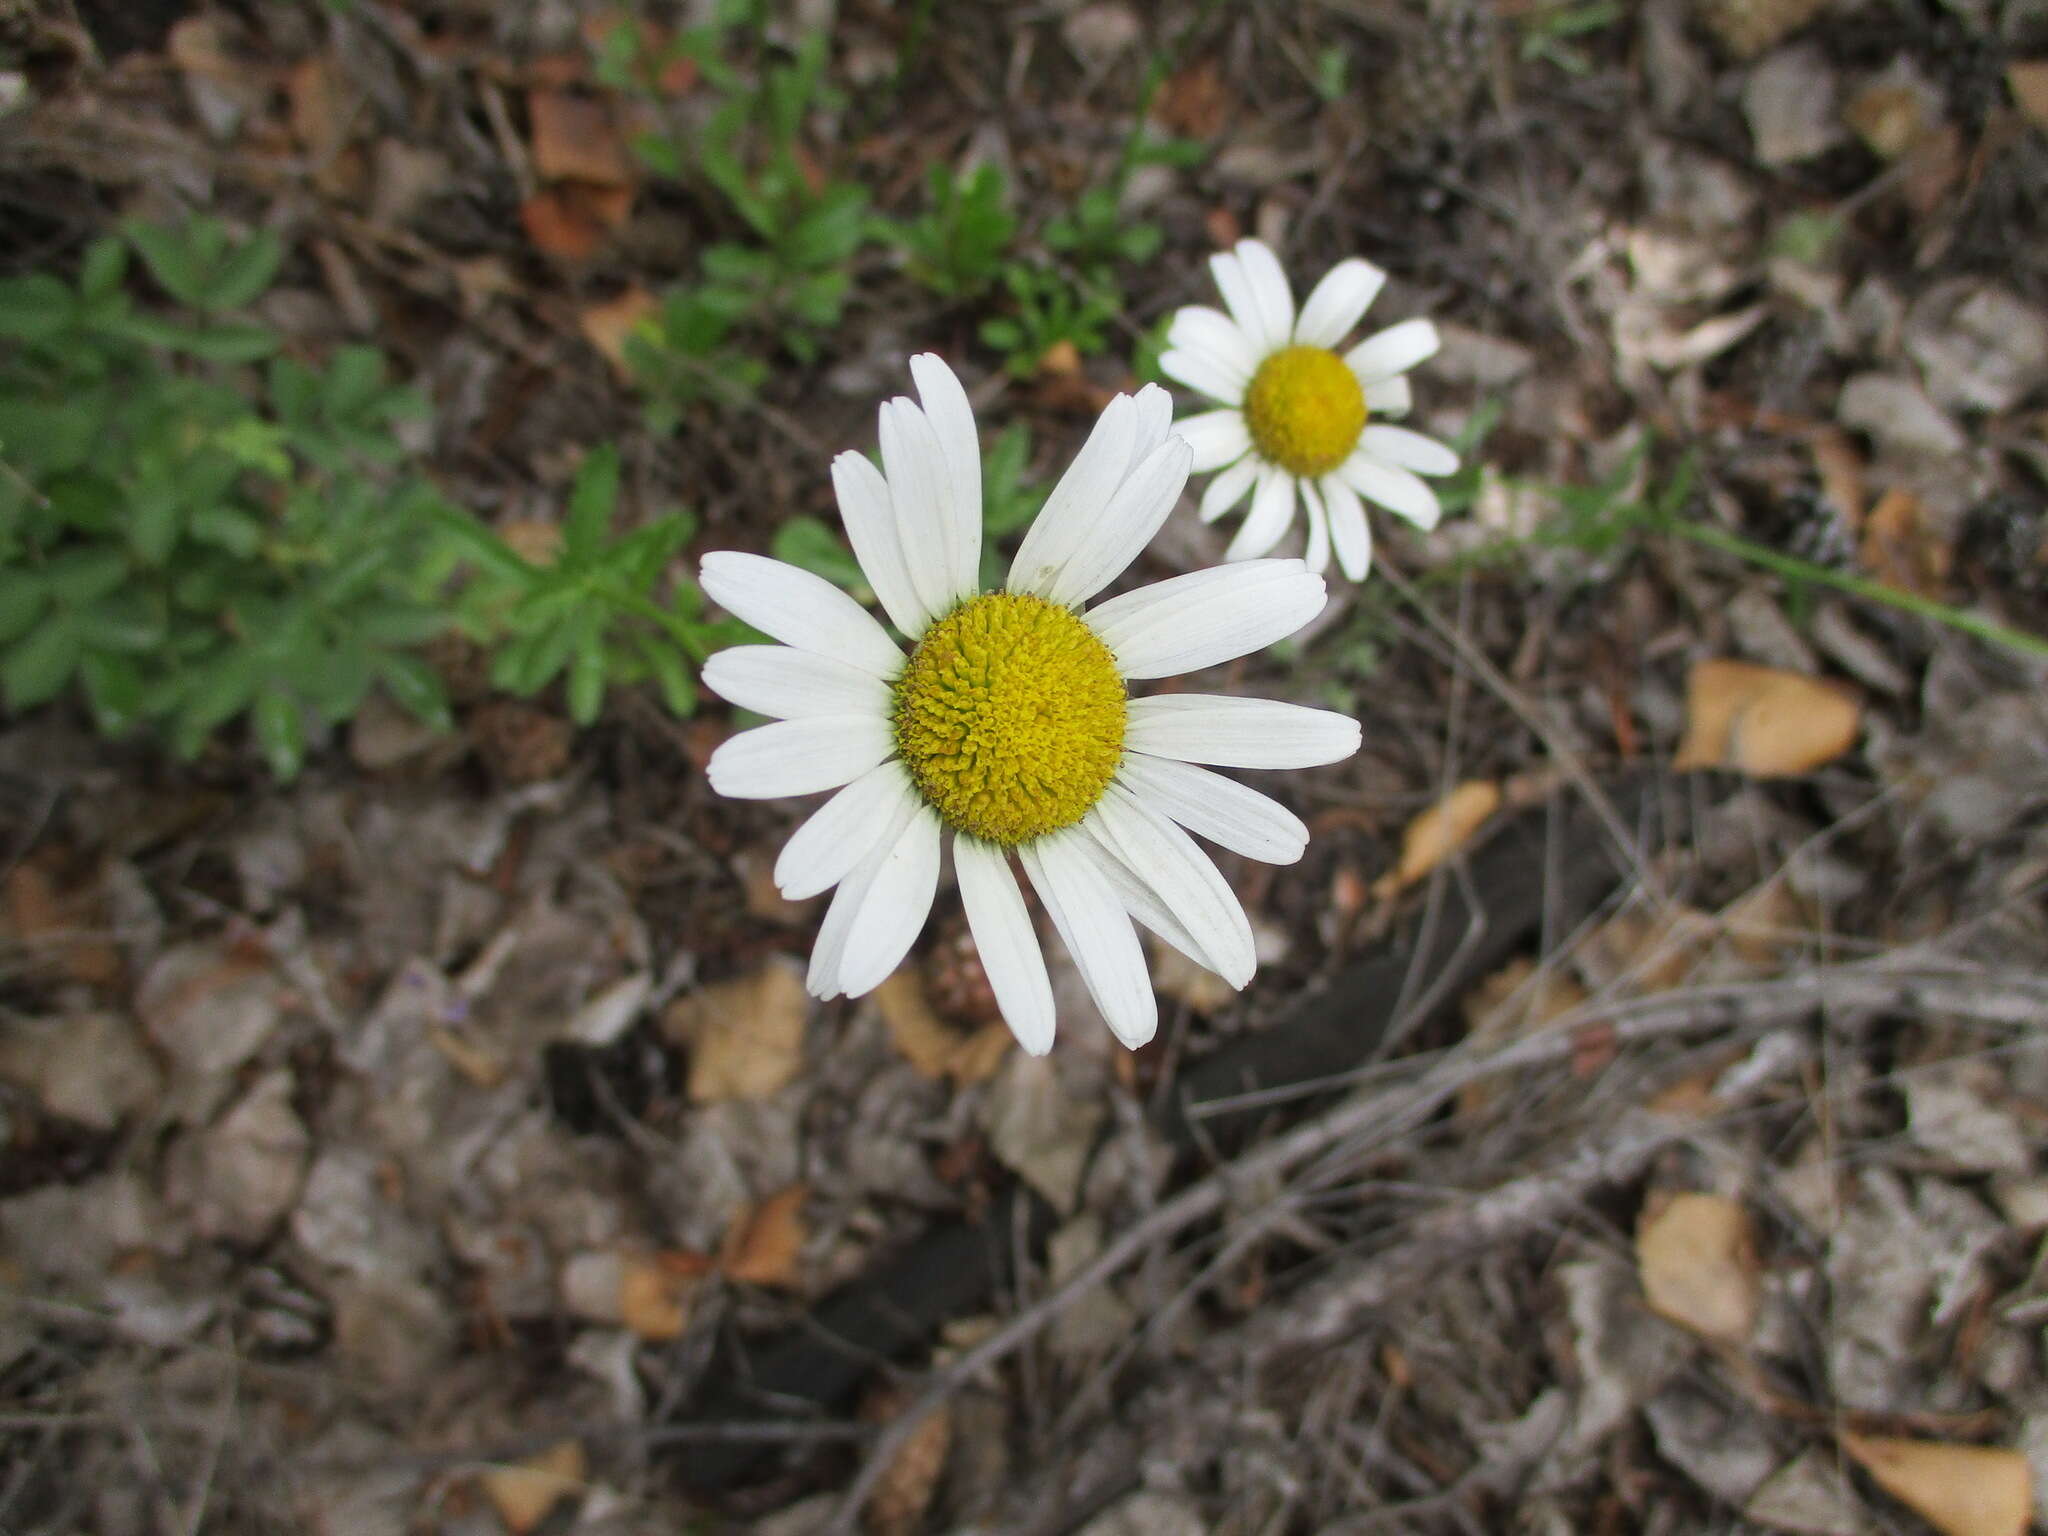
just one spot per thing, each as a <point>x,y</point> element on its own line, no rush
<point>1008,724</point>
<point>1298,414</point>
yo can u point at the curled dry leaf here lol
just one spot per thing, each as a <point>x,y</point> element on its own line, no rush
<point>655,1292</point>
<point>1762,721</point>
<point>1699,1267</point>
<point>1439,832</point>
<point>525,1493</point>
<point>932,1046</point>
<point>745,1036</point>
<point>607,326</point>
<point>1960,1490</point>
<point>765,1244</point>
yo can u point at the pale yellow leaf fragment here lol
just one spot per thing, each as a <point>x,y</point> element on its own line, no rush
<point>1762,721</point>
<point>745,1036</point>
<point>1439,832</point>
<point>1960,1490</point>
<point>1698,1266</point>
<point>526,1492</point>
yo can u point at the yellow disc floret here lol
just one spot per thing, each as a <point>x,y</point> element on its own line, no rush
<point>1305,410</point>
<point>1010,717</point>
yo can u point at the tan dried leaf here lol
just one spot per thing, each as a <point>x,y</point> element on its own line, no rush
<point>897,1506</point>
<point>764,1245</point>
<point>2028,82</point>
<point>655,1292</point>
<point>607,326</point>
<point>1699,1267</point>
<point>925,1040</point>
<point>575,138</point>
<point>746,1036</point>
<point>1960,1490</point>
<point>1900,546</point>
<point>526,1492</point>
<point>1439,832</point>
<point>1762,721</point>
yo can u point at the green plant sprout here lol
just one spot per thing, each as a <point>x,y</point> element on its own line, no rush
<point>591,615</point>
<point>1048,308</point>
<point>957,245</point>
<point>684,355</point>
<point>1547,32</point>
<point>186,541</point>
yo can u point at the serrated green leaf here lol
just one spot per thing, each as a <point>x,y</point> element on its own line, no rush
<point>239,278</point>
<point>591,503</point>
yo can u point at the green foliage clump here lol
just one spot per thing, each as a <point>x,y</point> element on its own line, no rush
<point>591,614</point>
<point>957,245</point>
<point>192,527</point>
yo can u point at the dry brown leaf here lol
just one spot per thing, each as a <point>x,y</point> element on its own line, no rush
<point>903,1494</point>
<point>746,1036</point>
<point>606,326</point>
<point>764,1245</point>
<point>1840,468</point>
<point>60,918</point>
<point>575,138</point>
<point>1645,948</point>
<point>981,1054</point>
<point>1514,1002</point>
<point>1762,721</point>
<point>1439,832</point>
<point>1890,118</point>
<point>655,1292</point>
<point>572,219</point>
<point>526,1492</point>
<point>1194,101</point>
<point>934,1048</point>
<point>1960,1490</point>
<point>1699,1267</point>
<point>2028,82</point>
<point>1901,549</point>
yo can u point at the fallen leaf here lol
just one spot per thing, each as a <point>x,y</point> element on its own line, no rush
<point>60,917</point>
<point>1194,101</point>
<point>1889,117</point>
<point>655,1292</point>
<point>1762,721</point>
<point>1699,1267</point>
<point>1512,1003</point>
<point>526,1492</point>
<point>1439,832</point>
<point>934,1048</point>
<point>764,1245</point>
<point>745,1036</point>
<point>1899,547</point>
<point>572,219</point>
<point>575,138</point>
<point>2028,81</point>
<point>319,112</point>
<point>1960,1490</point>
<point>904,1492</point>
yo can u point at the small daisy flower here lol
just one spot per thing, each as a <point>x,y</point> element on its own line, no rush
<point>1298,416</point>
<point>1008,728</point>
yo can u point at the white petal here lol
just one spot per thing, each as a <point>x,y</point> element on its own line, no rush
<point>1338,303</point>
<point>1317,556</point>
<point>787,684</point>
<point>843,831</point>
<point>1388,397</point>
<point>1207,617</point>
<point>1154,420</point>
<point>1394,350</point>
<point>922,494</point>
<point>1349,531</point>
<point>1071,512</point>
<point>1204,373</point>
<point>1216,438</point>
<point>1139,899</point>
<point>1006,942</point>
<point>952,419</point>
<point>869,517</point>
<point>1198,328</point>
<point>799,757</point>
<point>1125,526</point>
<point>1266,524</point>
<point>1269,287</point>
<point>1408,450</point>
<point>1183,879</point>
<point>1241,299</point>
<point>829,953</point>
<point>1097,931</point>
<point>1396,489</point>
<point>1239,733</point>
<point>897,901</point>
<point>1227,813</point>
<point>1228,488</point>
<point>798,609</point>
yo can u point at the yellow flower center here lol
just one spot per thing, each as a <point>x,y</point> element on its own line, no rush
<point>1010,717</point>
<point>1305,410</point>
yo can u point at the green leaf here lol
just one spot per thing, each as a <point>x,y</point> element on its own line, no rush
<point>122,622</point>
<point>591,502</point>
<point>807,542</point>
<point>671,673</point>
<point>355,375</point>
<point>40,663</point>
<point>171,261</point>
<point>281,732</point>
<point>23,597</point>
<point>227,528</point>
<point>34,307</point>
<point>114,689</point>
<point>81,576</point>
<point>587,675</point>
<point>231,343</point>
<point>241,277</point>
<point>417,688</point>
<point>100,274</point>
<point>153,523</point>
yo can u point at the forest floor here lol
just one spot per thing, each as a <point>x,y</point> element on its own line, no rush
<point>443,1141</point>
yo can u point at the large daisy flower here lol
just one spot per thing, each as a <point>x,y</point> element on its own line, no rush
<point>1298,415</point>
<point>1009,725</point>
